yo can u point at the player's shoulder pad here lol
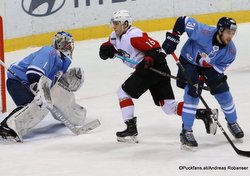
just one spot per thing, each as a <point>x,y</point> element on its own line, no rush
<point>112,36</point>
<point>49,50</point>
<point>134,32</point>
<point>232,49</point>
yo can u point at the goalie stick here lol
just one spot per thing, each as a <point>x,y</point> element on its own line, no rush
<point>75,129</point>
<point>54,110</point>
<point>239,152</point>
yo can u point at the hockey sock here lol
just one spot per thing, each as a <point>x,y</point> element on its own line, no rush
<point>127,108</point>
<point>225,100</point>
<point>179,108</point>
<point>188,116</point>
<point>189,110</point>
<point>169,106</point>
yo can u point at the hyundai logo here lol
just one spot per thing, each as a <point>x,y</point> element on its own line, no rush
<point>41,8</point>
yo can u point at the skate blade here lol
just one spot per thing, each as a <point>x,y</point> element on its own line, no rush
<point>9,140</point>
<point>215,114</point>
<point>188,148</point>
<point>239,140</point>
<point>128,139</point>
<point>213,128</point>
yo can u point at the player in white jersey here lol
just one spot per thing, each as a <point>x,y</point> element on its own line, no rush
<point>207,53</point>
<point>143,53</point>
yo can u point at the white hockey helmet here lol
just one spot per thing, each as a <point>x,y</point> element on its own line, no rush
<point>64,42</point>
<point>122,16</point>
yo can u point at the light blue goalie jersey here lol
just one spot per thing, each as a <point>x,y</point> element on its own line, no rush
<point>45,61</point>
<point>201,41</point>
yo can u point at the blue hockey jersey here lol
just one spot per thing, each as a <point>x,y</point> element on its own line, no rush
<point>200,41</point>
<point>46,61</point>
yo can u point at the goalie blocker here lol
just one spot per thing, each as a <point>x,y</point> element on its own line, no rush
<point>60,102</point>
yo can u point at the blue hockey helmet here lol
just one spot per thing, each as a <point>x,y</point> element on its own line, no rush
<point>226,23</point>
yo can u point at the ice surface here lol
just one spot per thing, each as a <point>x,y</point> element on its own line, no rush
<point>50,149</point>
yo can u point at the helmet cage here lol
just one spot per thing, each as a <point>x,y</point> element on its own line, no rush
<point>64,42</point>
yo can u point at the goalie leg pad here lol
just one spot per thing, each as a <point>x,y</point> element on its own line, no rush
<point>30,115</point>
<point>25,119</point>
<point>64,100</point>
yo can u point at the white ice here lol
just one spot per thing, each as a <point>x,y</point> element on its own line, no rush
<point>50,149</point>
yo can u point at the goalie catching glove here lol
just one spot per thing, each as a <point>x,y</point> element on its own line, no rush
<point>73,78</point>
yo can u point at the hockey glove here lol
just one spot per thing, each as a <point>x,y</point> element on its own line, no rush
<point>148,62</point>
<point>179,26</point>
<point>170,43</point>
<point>107,50</point>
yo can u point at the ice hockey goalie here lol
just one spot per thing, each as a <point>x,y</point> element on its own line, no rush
<point>60,96</point>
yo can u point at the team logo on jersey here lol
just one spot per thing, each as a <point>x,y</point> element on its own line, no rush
<point>214,51</point>
<point>212,54</point>
<point>123,53</point>
<point>42,7</point>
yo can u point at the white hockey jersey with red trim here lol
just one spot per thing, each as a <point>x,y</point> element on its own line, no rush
<point>133,44</point>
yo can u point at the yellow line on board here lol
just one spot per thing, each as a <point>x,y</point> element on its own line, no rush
<point>104,30</point>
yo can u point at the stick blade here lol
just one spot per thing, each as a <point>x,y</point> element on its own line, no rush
<point>243,153</point>
<point>88,127</point>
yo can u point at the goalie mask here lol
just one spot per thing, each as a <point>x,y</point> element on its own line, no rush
<point>64,42</point>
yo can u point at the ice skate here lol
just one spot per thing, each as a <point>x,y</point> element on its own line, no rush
<point>129,135</point>
<point>208,119</point>
<point>188,141</point>
<point>7,135</point>
<point>236,131</point>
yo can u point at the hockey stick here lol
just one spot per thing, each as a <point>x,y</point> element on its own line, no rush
<point>160,72</point>
<point>174,77</point>
<point>240,152</point>
<point>54,110</point>
<point>76,130</point>
<point>207,88</point>
<point>152,69</point>
<point>126,59</point>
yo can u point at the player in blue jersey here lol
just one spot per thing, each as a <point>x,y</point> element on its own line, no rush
<point>50,61</point>
<point>207,53</point>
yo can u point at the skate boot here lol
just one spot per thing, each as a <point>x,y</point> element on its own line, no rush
<point>8,135</point>
<point>188,141</point>
<point>210,124</point>
<point>235,130</point>
<point>130,134</point>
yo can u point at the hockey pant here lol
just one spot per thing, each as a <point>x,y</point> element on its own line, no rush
<point>127,105</point>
